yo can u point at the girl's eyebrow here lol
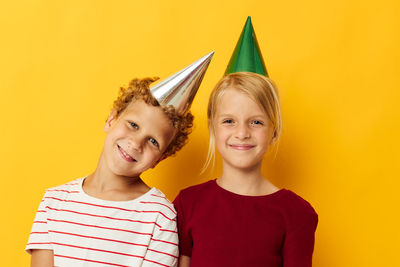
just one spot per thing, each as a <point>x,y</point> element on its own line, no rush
<point>225,115</point>
<point>260,115</point>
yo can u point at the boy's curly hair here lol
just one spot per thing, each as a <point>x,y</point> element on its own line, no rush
<point>139,89</point>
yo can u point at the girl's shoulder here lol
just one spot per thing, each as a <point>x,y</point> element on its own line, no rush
<point>294,207</point>
<point>292,199</point>
<point>197,190</point>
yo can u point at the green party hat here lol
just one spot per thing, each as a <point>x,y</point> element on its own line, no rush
<point>247,55</point>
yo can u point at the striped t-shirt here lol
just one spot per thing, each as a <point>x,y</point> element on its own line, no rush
<point>86,231</point>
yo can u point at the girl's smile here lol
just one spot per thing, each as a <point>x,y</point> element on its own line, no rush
<point>241,146</point>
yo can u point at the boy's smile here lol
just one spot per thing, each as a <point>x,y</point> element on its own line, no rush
<point>136,139</point>
<point>125,155</point>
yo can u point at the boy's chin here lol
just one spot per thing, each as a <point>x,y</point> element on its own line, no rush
<point>124,173</point>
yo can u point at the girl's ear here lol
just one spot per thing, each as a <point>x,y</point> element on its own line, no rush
<point>110,120</point>
<point>273,139</point>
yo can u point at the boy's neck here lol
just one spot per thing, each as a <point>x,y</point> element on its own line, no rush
<point>245,182</point>
<point>104,184</point>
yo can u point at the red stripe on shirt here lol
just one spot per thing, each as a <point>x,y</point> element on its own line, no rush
<point>174,256</point>
<point>41,211</point>
<point>171,231</point>
<point>158,203</point>
<point>39,222</point>
<point>101,227</point>
<point>156,262</point>
<point>167,242</point>
<point>60,190</point>
<point>39,243</point>
<point>75,258</point>
<point>111,207</point>
<point>101,216</point>
<point>99,250</point>
<point>154,195</point>
<point>99,238</point>
<point>39,232</point>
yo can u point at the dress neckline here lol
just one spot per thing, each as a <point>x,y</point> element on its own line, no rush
<point>225,191</point>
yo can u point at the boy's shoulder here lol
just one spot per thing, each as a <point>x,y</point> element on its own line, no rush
<point>155,201</point>
<point>55,196</point>
<point>156,197</point>
<point>72,185</point>
<point>63,191</point>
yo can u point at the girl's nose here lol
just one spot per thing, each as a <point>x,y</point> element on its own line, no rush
<point>242,132</point>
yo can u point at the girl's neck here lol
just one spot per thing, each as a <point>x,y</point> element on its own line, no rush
<point>249,182</point>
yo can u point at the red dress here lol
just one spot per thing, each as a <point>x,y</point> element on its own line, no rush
<point>221,228</point>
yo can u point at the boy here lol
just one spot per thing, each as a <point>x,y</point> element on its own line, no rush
<point>111,217</point>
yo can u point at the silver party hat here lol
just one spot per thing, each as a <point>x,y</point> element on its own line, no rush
<point>179,89</point>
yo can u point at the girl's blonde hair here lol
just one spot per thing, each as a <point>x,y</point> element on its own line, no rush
<point>259,88</point>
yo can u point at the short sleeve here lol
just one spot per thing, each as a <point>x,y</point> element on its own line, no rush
<point>299,240</point>
<point>185,239</point>
<point>163,248</point>
<point>39,236</point>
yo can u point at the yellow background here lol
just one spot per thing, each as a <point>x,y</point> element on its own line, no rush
<point>337,64</point>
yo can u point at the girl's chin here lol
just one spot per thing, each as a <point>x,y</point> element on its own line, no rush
<point>243,165</point>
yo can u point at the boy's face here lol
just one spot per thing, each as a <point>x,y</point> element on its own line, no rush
<point>136,139</point>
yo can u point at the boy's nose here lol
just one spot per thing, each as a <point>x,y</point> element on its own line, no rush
<point>135,143</point>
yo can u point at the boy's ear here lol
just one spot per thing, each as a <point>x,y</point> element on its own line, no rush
<point>110,120</point>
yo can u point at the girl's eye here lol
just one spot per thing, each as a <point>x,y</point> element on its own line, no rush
<point>256,122</point>
<point>227,121</point>
<point>134,125</point>
<point>154,142</point>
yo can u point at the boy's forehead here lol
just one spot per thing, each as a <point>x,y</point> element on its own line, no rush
<point>138,105</point>
<point>145,111</point>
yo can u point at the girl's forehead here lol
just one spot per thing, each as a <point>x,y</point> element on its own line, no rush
<point>232,96</point>
<point>238,105</point>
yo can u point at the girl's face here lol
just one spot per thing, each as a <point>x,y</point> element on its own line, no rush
<point>242,130</point>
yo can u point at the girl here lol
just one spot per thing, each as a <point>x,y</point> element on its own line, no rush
<point>241,218</point>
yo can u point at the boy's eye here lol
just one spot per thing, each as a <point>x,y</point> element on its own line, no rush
<point>154,142</point>
<point>134,125</point>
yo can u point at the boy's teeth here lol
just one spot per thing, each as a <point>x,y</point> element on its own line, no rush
<point>126,155</point>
